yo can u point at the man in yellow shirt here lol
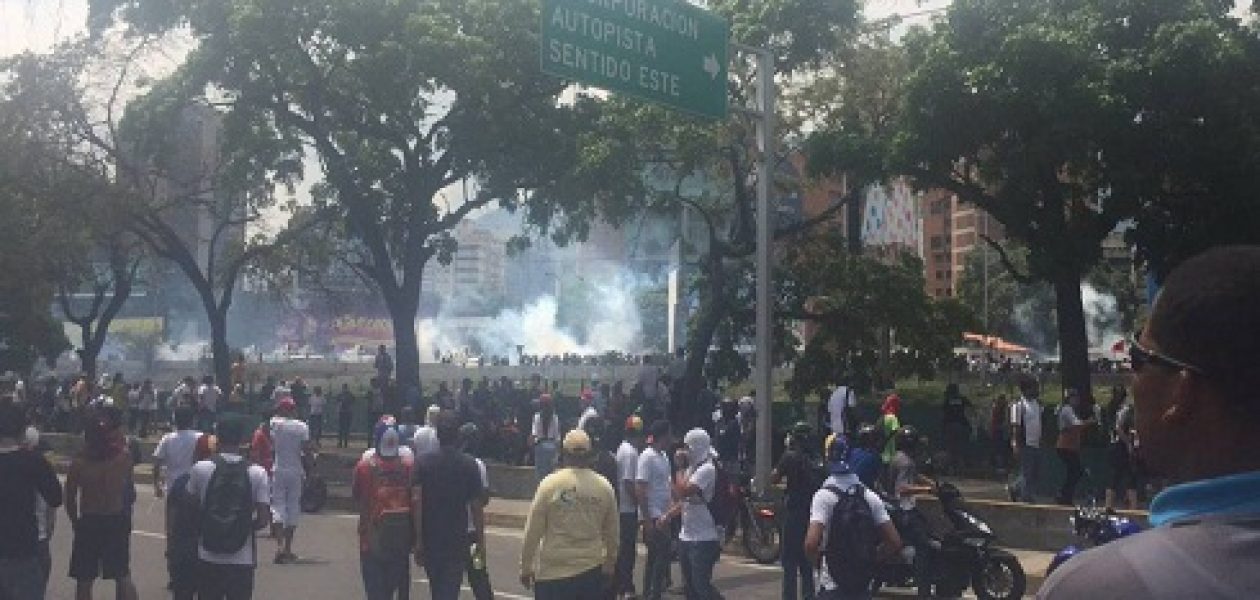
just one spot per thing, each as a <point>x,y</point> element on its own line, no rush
<point>574,519</point>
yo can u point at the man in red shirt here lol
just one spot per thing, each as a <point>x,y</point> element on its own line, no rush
<point>382,490</point>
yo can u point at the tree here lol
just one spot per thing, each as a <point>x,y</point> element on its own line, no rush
<point>109,285</point>
<point>399,101</point>
<point>1039,113</point>
<point>160,181</point>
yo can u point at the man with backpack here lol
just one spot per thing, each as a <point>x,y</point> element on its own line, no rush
<point>804,476</point>
<point>232,494</point>
<point>849,531</point>
<point>382,490</point>
<point>703,503</point>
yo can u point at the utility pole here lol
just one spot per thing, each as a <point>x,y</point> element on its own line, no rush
<point>762,375</point>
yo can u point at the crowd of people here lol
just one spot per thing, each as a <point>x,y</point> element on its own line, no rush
<point>610,481</point>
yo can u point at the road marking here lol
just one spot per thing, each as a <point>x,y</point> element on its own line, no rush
<point>148,534</point>
<point>497,593</point>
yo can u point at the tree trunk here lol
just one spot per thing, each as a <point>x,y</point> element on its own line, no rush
<point>221,353</point>
<point>1073,340</point>
<point>403,305</point>
<point>713,308</point>
<point>91,350</point>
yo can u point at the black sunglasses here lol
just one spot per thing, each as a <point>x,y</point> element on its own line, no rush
<point>1140,356</point>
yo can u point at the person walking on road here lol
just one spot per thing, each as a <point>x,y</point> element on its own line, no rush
<point>382,490</point>
<point>173,456</point>
<point>1072,424</point>
<point>544,437</point>
<point>1121,452</point>
<point>699,545</point>
<point>26,476</point>
<point>182,526</point>
<point>797,466</point>
<point>345,415</point>
<point>1025,422</point>
<point>291,439</point>
<point>315,419</point>
<point>425,440</point>
<point>232,499</point>
<point>628,506</point>
<point>447,486</point>
<point>653,480</point>
<point>98,483</point>
<point>571,538</point>
<point>478,570</point>
<point>1197,410</point>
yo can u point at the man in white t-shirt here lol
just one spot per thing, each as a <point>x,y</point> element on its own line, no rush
<point>588,409</point>
<point>425,440</point>
<point>291,440</point>
<point>1026,440</point>
<point>840,409</point>
<point>627,466</point>
<point>698,541</point>
<point>229,575</point>
<point>207,403</point>
<point>820,513</point>
<point>653,478</point>
<point>174,452</point>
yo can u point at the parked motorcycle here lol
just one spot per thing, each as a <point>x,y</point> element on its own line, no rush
<point>964,557</point>
<point>1095,527</point>
<point>758,521</point>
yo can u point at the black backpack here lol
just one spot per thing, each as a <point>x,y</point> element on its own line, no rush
<point>725,497</point>
<point>227,514</point>
<point>851,540</point>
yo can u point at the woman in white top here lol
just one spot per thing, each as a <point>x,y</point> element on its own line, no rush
<point>543,437</point>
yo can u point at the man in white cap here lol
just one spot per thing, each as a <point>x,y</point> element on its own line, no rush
<point>571,535</point>
<point>382,491</point>
<point>294,454</point>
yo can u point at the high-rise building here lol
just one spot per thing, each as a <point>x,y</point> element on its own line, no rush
<point>476,273</point>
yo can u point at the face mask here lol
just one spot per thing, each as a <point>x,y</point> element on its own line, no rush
<point>697,455</point>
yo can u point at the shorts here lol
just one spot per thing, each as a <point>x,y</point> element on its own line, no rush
<point>102,548</point>
<point>286,497</point>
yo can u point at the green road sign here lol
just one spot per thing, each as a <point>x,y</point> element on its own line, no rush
<point>666,51</point>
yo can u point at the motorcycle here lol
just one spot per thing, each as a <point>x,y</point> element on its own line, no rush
<point>758,521</point>
<point>964,557</point>
<point>1096,527</point>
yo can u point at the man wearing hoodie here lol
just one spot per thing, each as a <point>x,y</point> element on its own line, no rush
<point>698,541</point>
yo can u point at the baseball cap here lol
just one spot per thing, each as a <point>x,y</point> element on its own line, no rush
<point>388,446</point>
<point>577,442</point>
<point>634,424</point>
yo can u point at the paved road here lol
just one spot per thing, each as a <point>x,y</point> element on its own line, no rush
<point>329,568</point>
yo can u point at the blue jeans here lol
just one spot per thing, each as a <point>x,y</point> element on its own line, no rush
<point>22,578</point>
<point>697,560</point>
<point>386,578</point>
<point>588,585</point>
<point>792,556</point>
<point>446,575</point>
<point>1029,478</point>
<point>656,568</point>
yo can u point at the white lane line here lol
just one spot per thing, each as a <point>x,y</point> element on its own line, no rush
<point>148,534</point>
<point>497,593</point>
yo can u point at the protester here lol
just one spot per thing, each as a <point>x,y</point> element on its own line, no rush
<point>1000,434</point>
<point>543,438</point>
<point>447,486</point>
<point>345,415</point>
<point>182,526</point>
<point>291,439</point>
<point>45,515</point>
<point>699,544</point>
<point>1120,453</point>
<point>207,403</point>
<point>728,438</point>
<point>1196,411</point>
<point>571,534</point>
<point>1073,420</point>
<point>382,490</point>
<point>905,483</point>
<point>384,364</point>
<point>478,571</point>
<point>889,423</point>
<point>27,477</point>
<point>955,426</point>
<point>652,490</point>
<point>232,497</point>
<point>148,405</point>
<point>842,409</point>
<point>627,466</point>
<point>837,502</point>
<point>425,440</point>
<point>587,400</point>
<point>797,467</point>
<point>175,452</point>
<point>1025,423</point>
<point>864,457</point>
<point>98,482</point>
<point>315,418</point>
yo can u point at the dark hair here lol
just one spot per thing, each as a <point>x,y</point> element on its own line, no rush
<point>660,429</point>
<point>12,419</point>
<point>231,433</point>
<point>1206,316</point>
<point>447,427</point>
<point>183,418</point>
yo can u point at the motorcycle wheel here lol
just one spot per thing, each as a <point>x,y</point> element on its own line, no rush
<point>761,540</point>
<point>1000,577</point>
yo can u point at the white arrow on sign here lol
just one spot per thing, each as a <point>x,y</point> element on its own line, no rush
<point>711,66</point>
